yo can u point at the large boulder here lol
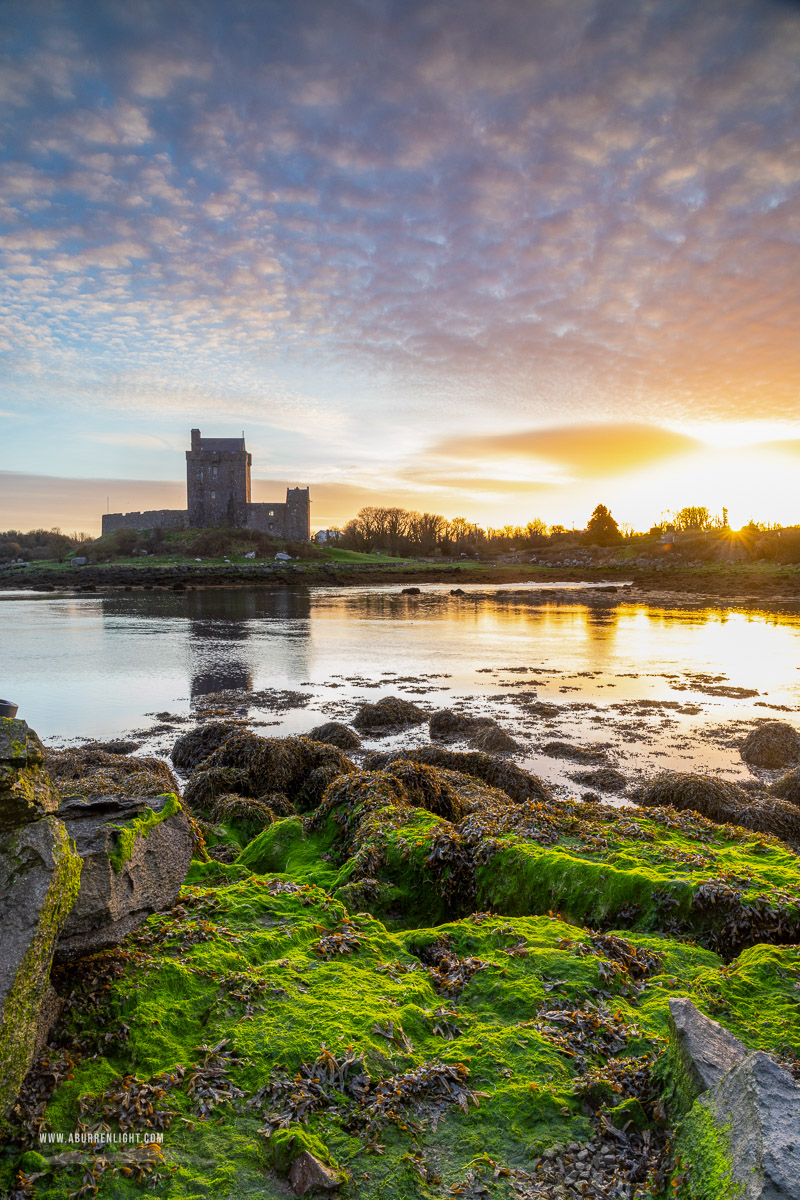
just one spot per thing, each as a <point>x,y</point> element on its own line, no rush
<point>739,1136</point>
<point>772,744</point>
<point>701,1050</point>
<point>26,792</point>
<point>752,1117</point>
<point>135,852</point>
<point>39,881</point>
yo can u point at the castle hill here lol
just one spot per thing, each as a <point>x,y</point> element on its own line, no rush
<point>400,601</point>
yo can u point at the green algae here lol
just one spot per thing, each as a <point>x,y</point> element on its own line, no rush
<point>418,954</point>
<point>142,825</point>
<point>20,1014</point>
<point>703,1159</point>
<point>253,963</point>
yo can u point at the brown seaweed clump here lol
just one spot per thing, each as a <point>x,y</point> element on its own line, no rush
<point>772,744</point>
<point>198,744</point>
<point>88,771</point>
<point>388,716</point>
<point>424,787</point>
<point>581,754</point>
<point>484,733</point>
<point>248,817</point>
<point>788,787</point>
<point>207,784</point>
<point>298,767</point>
<point>519,785</point>
<point>335,734</point>
<point>607,779</point>
<point>722,802</point>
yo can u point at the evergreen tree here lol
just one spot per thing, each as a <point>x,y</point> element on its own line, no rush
<point>602,529</point>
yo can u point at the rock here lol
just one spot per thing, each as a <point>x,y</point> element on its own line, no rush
<point>755,1110</point>
<point>335,734</point>
<point>606,778</point>
<point>26,792</point>
<point>307,1172</point>
<point>723,802</point>
<point>388,715</point>
<point>701,1050</point>
<point>788,787</point>
<point>198,744</point>
<point>135,853</point>
<point>39,881</point>
<point>772,744</point>
<point>411,591</point>
<point>493,740</point>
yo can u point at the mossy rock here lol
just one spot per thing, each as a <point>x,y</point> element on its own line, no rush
<point>289,988</point>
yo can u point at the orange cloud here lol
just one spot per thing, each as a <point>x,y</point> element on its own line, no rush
<point>588,451</point>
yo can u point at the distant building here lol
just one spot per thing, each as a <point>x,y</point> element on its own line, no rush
<point>218,494</point>
<point>327,536</point>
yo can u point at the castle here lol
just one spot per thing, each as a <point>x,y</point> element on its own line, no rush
<point>218,493</point>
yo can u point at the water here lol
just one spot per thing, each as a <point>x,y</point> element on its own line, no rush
<point>644,682</point>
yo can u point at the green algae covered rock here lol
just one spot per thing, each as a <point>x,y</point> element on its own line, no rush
<point>260,1019</point>
<point>135,855</point>
<point>39,882</point>
<point>649,869</point>
<point>26,791</point>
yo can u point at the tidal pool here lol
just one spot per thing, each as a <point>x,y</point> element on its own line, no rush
<point>656,687</point>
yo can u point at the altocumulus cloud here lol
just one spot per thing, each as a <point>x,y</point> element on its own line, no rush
<point>562,212</point>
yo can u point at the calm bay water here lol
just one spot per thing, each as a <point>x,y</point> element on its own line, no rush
<point>650,680</point>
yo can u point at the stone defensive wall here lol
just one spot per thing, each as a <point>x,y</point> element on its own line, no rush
<point>156,518</point>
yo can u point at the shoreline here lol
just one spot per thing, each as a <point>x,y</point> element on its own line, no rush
<point>776,590</point>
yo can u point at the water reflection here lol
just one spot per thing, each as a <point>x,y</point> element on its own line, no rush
<point>98,664</point>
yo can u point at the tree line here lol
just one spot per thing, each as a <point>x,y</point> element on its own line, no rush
<point>399,531</point>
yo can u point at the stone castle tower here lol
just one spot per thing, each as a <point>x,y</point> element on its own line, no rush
<point>217,482</point>
<point>218,494</point>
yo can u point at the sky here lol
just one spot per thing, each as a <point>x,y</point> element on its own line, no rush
<point>500,260</point>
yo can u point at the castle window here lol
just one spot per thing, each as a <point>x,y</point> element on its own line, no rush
<point>214,472</point>
<point>271,514</point>
<point>271,525</point>
<point>213,495</point>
